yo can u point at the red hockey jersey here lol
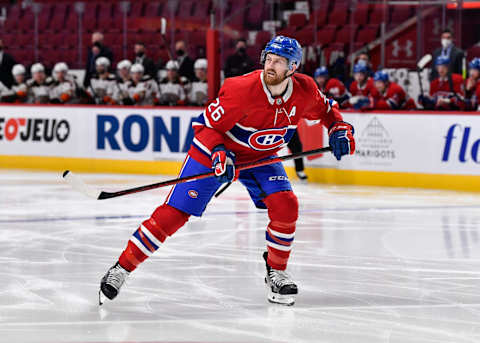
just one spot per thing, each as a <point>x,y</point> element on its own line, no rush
<point>394,97</point>
<point>334,88</point>
<point>472,94</point>
<point>366,90</point>
<point>253,124</point>
<point>440,88</point>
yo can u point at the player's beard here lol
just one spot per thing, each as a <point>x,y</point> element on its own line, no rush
<point>272,80</point>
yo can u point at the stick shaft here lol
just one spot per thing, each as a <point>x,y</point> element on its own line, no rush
<point>109,195</point>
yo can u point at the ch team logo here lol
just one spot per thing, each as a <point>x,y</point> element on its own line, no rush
<point>267,139</point>
<point>193,194</point>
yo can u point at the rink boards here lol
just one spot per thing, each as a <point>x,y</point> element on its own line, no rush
<point>408,149</point>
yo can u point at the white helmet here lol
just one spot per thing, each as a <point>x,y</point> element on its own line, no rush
<point>18,69</point>
<point>102,61</point>
<point>137,68</point>
<point>172,65</point>
<point>36,68</point>
<point>60,66</point>
<point>124,64</point>
<point>201,63</point>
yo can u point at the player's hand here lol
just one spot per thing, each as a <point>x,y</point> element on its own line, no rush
<point>223,163</point>
<point>341,139</point>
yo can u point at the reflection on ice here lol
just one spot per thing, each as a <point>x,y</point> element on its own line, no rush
<point>372,265</point>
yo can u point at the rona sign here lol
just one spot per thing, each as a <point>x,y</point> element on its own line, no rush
<point>137,133</point>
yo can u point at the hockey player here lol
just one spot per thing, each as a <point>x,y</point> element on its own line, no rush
<point>198,89</point>
<point>253,117</point>
<point>330,86</point>
<point>19,87</point>
<point>171,87</point>
<point>389,95</point>
<point>39,85</point>
<point>446,91</point>
<point>137,90</point>
<point>472,88</point>
<point>102,83</point>
<point>120,91</point>
<point>362,89</point>
<point>63,90</point>
<point>142,89</point>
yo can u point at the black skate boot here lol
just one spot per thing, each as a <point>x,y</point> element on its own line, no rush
<point>302,176</point>
<point>111,283</point>
<point>281,288</point>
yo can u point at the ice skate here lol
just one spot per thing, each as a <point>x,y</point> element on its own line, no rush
<point>281,288</point>
<point>302,176</point>
<point>111,283</point>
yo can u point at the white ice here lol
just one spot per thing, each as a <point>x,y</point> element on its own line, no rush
<point>372,265</point>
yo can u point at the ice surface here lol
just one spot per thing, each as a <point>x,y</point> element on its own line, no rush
<point>372,265</point>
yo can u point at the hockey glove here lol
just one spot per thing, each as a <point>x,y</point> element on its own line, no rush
<point>223,163</point>
<point>341,139</point>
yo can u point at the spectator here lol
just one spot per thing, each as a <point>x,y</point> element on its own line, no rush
<point>330,86</point>
<point>146,62</point>
<point>19,87</point>
<point>39,85</point>
<point>446,91</point>
<point>171,87</point>
<point>389,95</point>
<point>362,88</point>
<point>449,51</point>
<point>198,90</point>
<point>6,64</point>
<point>64,88</point>
<point>239,63</point>
<point>102,83</point>
<point>185,63</point>
<point>472,88</point>
<point>120,93</point>
<point>98,49</point>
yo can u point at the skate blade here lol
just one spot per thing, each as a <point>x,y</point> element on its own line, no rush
<point>282,299</point>
<point>102,298</point>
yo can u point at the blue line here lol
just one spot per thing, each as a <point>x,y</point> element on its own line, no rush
<point>59,219</point>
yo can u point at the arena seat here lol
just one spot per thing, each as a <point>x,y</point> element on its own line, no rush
<point>367,34</point>
<point>360,16</point>
<point>343,35</point>
<point>326,35</point>
<point>297,20</point>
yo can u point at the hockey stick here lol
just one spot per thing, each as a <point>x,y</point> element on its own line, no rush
<point>77,183</point>
<point>420,66</point>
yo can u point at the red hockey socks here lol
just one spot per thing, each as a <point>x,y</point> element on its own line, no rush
<point>283,213</point>
<point>164,222</point>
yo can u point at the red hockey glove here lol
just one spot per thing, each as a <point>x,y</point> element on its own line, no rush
<point>223,163</point>
<point>341,139</point>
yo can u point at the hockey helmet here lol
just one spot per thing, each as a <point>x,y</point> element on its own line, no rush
<point>125,64</point>
<point>18,69</point>
<point>60,66</point>
<point>137,68</point>
<point>36,68</point>
<point>200,63</point>
<point>360,67</point>
<point>442,61</point>
<point>381,75</point>
<point>474,64</point>
<point>285,47</point>
<point>172,65</point>
<point>321,71</point>
<point>102,61</point>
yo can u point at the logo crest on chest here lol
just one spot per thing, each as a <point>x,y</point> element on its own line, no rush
<point>267,139</point>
